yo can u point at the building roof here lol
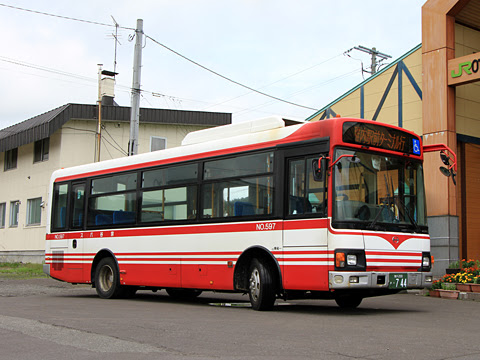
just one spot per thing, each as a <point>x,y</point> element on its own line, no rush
<point>44,125</point>
<point>378,73</point>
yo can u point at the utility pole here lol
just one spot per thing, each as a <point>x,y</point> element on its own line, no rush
<point>135,108</point>
<point>374,53</point>
<point>99,125</point>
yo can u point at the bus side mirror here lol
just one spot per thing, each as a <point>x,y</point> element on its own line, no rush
<point>319,168</point>
<point>448,170</point>
<point>445,158</point>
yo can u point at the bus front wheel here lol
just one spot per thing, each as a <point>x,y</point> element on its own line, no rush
<point>261,286</point>
<point>107,283</point>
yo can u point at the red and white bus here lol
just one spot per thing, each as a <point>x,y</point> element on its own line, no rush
<point>333,209</point>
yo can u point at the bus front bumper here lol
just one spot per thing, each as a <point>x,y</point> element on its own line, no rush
<point>380,280</point>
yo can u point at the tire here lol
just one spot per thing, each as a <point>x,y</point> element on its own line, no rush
<point>183,294</point>
<point>349,301</point>
<point>261,286</point>
<point>107,282</point>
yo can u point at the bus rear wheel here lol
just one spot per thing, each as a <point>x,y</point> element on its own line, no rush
<point>348,301</point>
<point>261,286</point>
<point>107,282</point>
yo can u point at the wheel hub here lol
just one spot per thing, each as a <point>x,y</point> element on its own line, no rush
<point>255,284</point>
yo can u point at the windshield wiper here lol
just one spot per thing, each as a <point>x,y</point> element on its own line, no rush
<point>384,206</point>
<point>412,220</point>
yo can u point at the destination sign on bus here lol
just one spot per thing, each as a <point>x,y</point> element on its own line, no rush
<point>380,137</point>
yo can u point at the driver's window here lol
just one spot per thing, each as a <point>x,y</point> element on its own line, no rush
<point>305,195</point>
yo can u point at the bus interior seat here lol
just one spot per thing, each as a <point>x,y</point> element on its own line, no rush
<point>63,216</point>
<point>77,218</point>
<point>123,217</point>
<point>103,219</point>
<point>242,208</point>
<point>299,205</point>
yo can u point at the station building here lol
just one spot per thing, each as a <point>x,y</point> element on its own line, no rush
<point>67,136</point>
<point>434,90</point>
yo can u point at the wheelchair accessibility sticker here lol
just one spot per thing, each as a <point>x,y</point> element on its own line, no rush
<point>416,146</point>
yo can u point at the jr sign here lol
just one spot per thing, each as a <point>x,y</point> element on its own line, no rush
<point>464,70</point>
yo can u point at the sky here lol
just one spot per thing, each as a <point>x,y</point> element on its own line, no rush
<point>291,50</point>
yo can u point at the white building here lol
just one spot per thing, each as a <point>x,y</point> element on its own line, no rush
<point>65,137</point>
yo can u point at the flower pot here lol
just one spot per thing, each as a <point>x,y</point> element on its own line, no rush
<point>464,287</point>
<point>449,294</point>
<point>475,287</point>
<point>434,293</point>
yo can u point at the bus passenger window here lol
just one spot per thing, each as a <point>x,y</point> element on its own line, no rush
<point>239,197</point>
<point>169,204</point>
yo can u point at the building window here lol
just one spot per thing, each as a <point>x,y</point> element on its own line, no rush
<point>10,159</point>
<point>157,143</point>
<point>3,207</point>
<point>14,209</point>
<point>34,211</point>
<point>41,149</point>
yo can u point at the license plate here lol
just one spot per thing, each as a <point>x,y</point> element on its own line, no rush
<point>398,281</point>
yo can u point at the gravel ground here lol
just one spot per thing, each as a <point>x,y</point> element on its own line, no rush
<point>41,286</point>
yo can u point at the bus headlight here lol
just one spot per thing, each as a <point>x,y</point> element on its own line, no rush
<point>351,260</point>
<point>426,262</point>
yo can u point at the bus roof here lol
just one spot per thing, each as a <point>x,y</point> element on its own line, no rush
<point>222,140</point>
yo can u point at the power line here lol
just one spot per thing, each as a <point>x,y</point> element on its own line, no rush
<point>118,148</point>
<point>44,68</point>
<point>277,81</point>
<point>165,47</point>
<point>255,108</point>
<point>63,17</point>
<point>225,77</point>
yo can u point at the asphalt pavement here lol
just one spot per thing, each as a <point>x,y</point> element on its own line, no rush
<point>44,318</point>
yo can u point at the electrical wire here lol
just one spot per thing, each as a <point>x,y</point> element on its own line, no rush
<point>277,81</point>
<point>245,111</point>
<point>167,48</point>
<point>106,148</point>
<point>64,17</point>
<point>119,147</point>
<point>43,68</point>
<point>227,78</point>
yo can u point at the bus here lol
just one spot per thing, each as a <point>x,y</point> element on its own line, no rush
<point>333,209</point>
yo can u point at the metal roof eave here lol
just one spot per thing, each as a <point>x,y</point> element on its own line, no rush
<point>46,124</point>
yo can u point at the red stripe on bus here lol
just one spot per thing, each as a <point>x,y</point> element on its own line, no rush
<point>193,229</point>
<point>393,253</point>
<point>392,268</point>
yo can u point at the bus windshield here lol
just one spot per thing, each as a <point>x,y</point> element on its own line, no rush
<point>378,192</point>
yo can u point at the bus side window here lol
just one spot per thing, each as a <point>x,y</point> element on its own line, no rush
<point>59,208</point>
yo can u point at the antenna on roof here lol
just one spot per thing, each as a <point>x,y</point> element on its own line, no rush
<point>115,37</point>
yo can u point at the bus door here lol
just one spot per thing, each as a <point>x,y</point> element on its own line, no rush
<point>305,225</point>
<point>74,259</point>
